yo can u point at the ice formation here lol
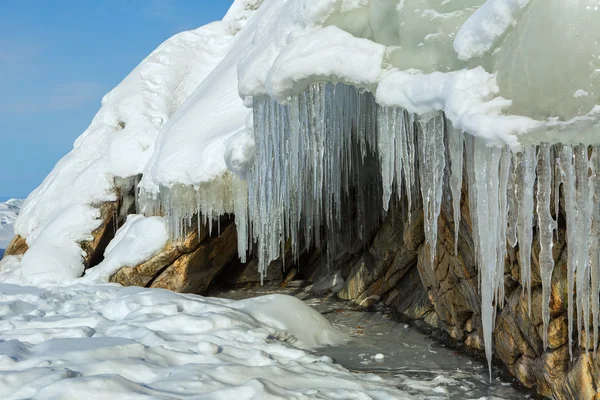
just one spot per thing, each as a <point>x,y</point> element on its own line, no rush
<point>354,101</point>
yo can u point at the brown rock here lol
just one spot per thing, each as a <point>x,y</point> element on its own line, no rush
<point>143,274</point>
<point>582,381</point>
<point>17,247</point>
<point>193,272</point>
<point>414,232</point>
<point>101,236</point>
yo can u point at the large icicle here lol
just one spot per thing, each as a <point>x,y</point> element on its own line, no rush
<point>546,230</point>
<point>583,214</point>
<point>567,172</point>
<point>431,171</point>
<point>595,240</point>
<point>524,183</point>
<point>455,151</point>
<point>491,223</point>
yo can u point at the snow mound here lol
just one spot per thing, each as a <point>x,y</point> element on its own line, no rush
<point>95,341</point>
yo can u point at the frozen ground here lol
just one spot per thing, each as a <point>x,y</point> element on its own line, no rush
<point>106,341</point>
<point>9,211</point>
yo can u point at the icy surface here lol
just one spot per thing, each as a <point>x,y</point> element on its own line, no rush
<point>106,341</point>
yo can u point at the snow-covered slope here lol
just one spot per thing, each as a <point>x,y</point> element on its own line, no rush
<point>99,342</point>
<point>9,211</point>
<point>118,143</point>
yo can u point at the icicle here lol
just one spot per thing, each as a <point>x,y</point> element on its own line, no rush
<point>583,235</point>
<point>513,212</point>
<point>470,167</point>
<point>503,199</point>
<point>311,154</point>
<point>524,183</point>
<point>595,241</point>
<point>386,124</point>
<point>567,172</point>
<point>546,230</point>
<point>240,209</point>
<point>492,220</point>
<point>431,170</point>
<point>408,158</point>
<point>455,150</point>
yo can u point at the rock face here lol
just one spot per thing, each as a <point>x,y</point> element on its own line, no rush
<point>101,237</point>
<point>187,266</point>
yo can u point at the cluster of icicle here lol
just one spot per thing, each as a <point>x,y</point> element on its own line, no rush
<point>312,155</point>
<point>327,160</point>
<point>307,162</point>
<point>503,189</point>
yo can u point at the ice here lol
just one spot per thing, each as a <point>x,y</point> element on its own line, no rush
<point>524,185</point>
<point>311,153</point>
<point>350,102</point>
<point>594,241</point>
<point>491,222</point>
<point>456,153</point>
<point>583,211</point>
<point>546,227</point>
<point>480,33</point>
<point>567,172</point>
<point>432,163</point>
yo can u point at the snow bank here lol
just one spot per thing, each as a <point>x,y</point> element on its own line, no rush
<point>99,341</point>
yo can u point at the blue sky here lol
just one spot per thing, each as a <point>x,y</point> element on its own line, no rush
<point>59,57</point>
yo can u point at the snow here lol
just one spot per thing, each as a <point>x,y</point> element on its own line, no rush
<point>104,341</point>
<point>9,212</point>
